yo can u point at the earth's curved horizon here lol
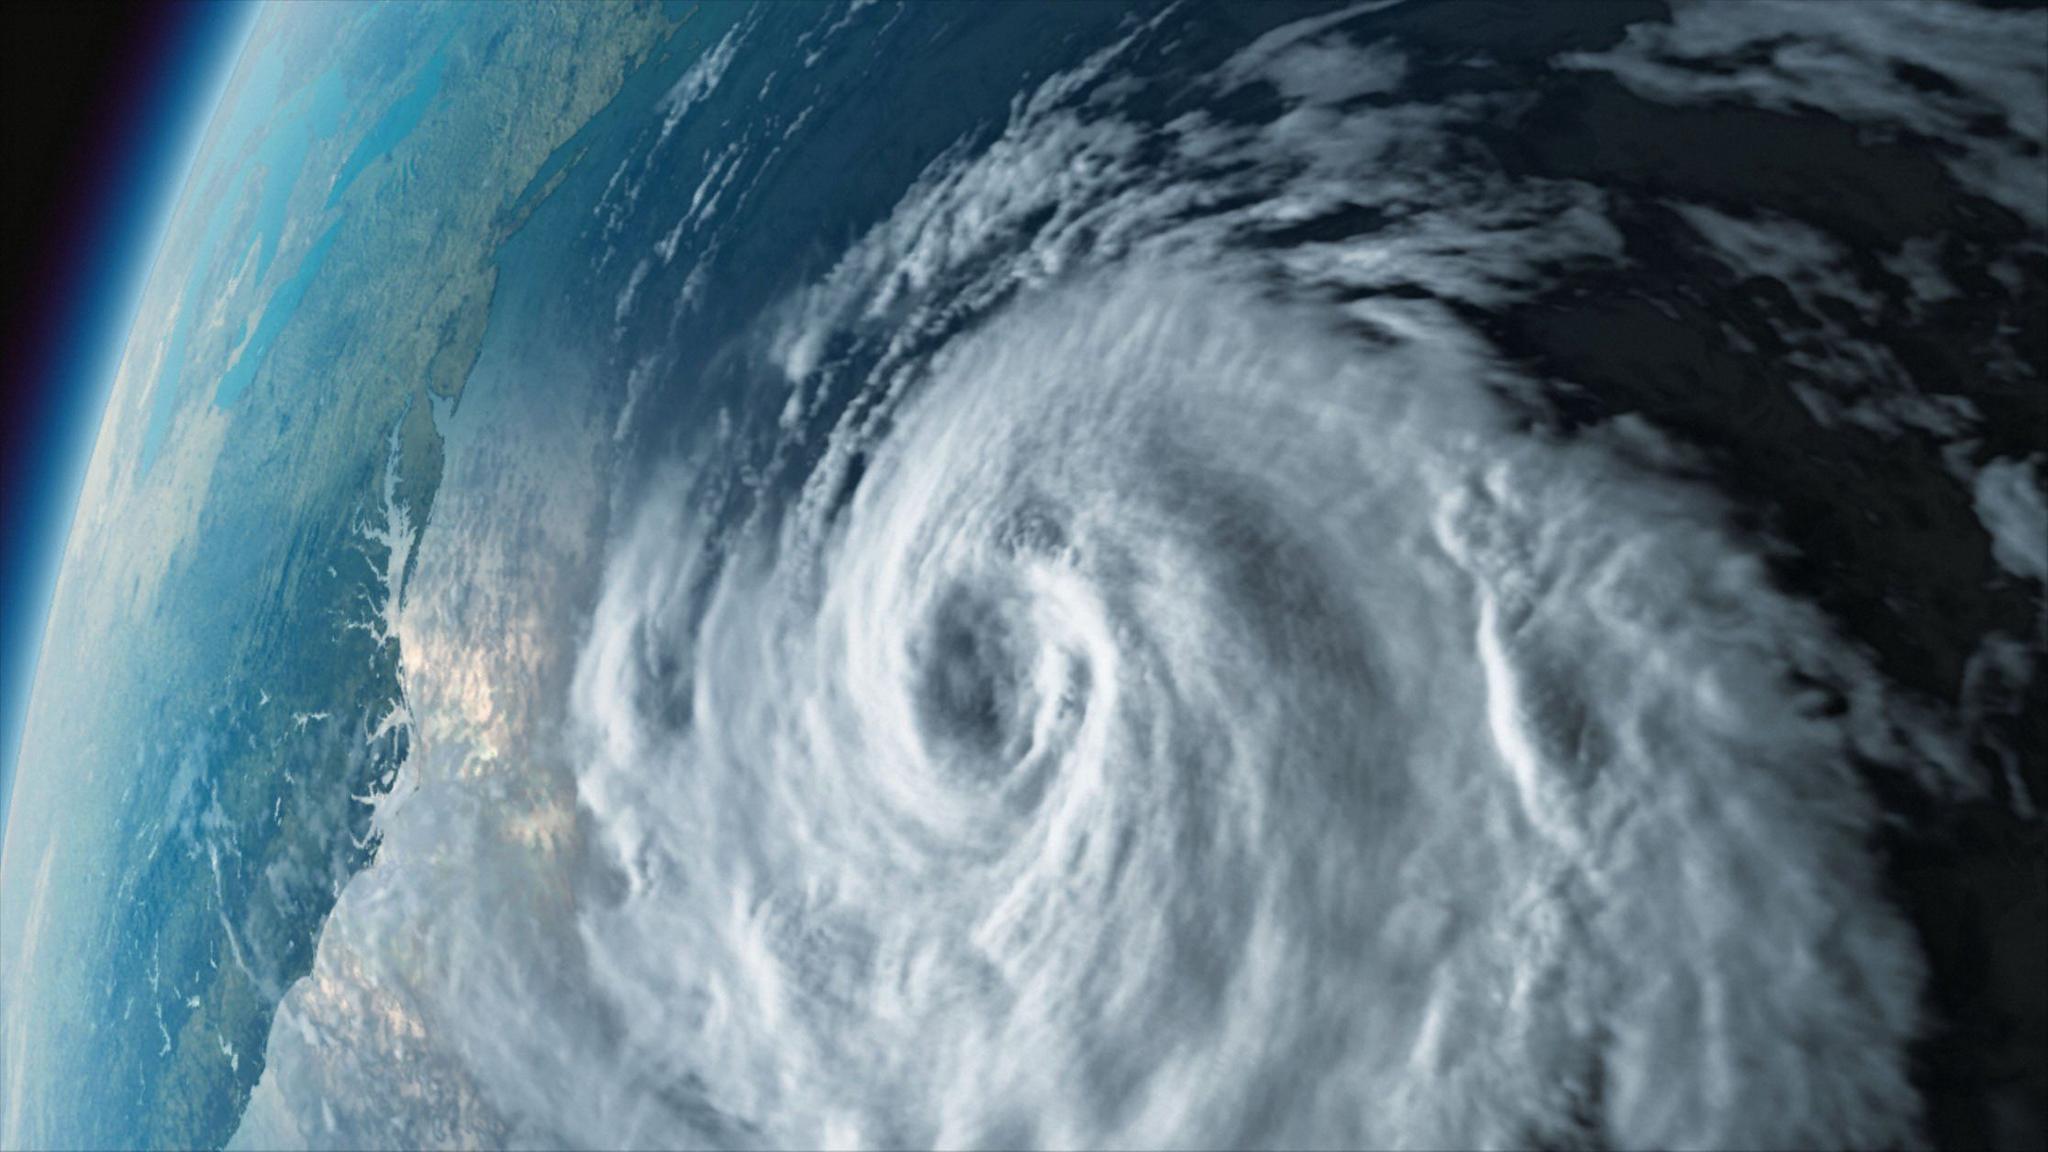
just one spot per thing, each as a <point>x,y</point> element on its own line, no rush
<point>1391,575</point>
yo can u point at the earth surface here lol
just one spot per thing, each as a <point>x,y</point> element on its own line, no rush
<point>1422,575</point>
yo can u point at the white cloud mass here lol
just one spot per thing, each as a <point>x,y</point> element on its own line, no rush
<point>1214,718</point>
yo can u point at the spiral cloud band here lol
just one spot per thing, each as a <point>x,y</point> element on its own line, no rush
<point>1187,699</point>
<point>1198,730</point>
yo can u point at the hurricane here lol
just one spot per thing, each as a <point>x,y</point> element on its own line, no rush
<point>1194,725</point>
<point>1213,712</point>
<point>1154,674</point>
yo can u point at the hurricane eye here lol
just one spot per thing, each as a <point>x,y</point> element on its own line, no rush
<point>1032,530</point>
<point>966,672</point>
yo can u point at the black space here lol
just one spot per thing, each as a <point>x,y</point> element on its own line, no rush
<point>70,80</point>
